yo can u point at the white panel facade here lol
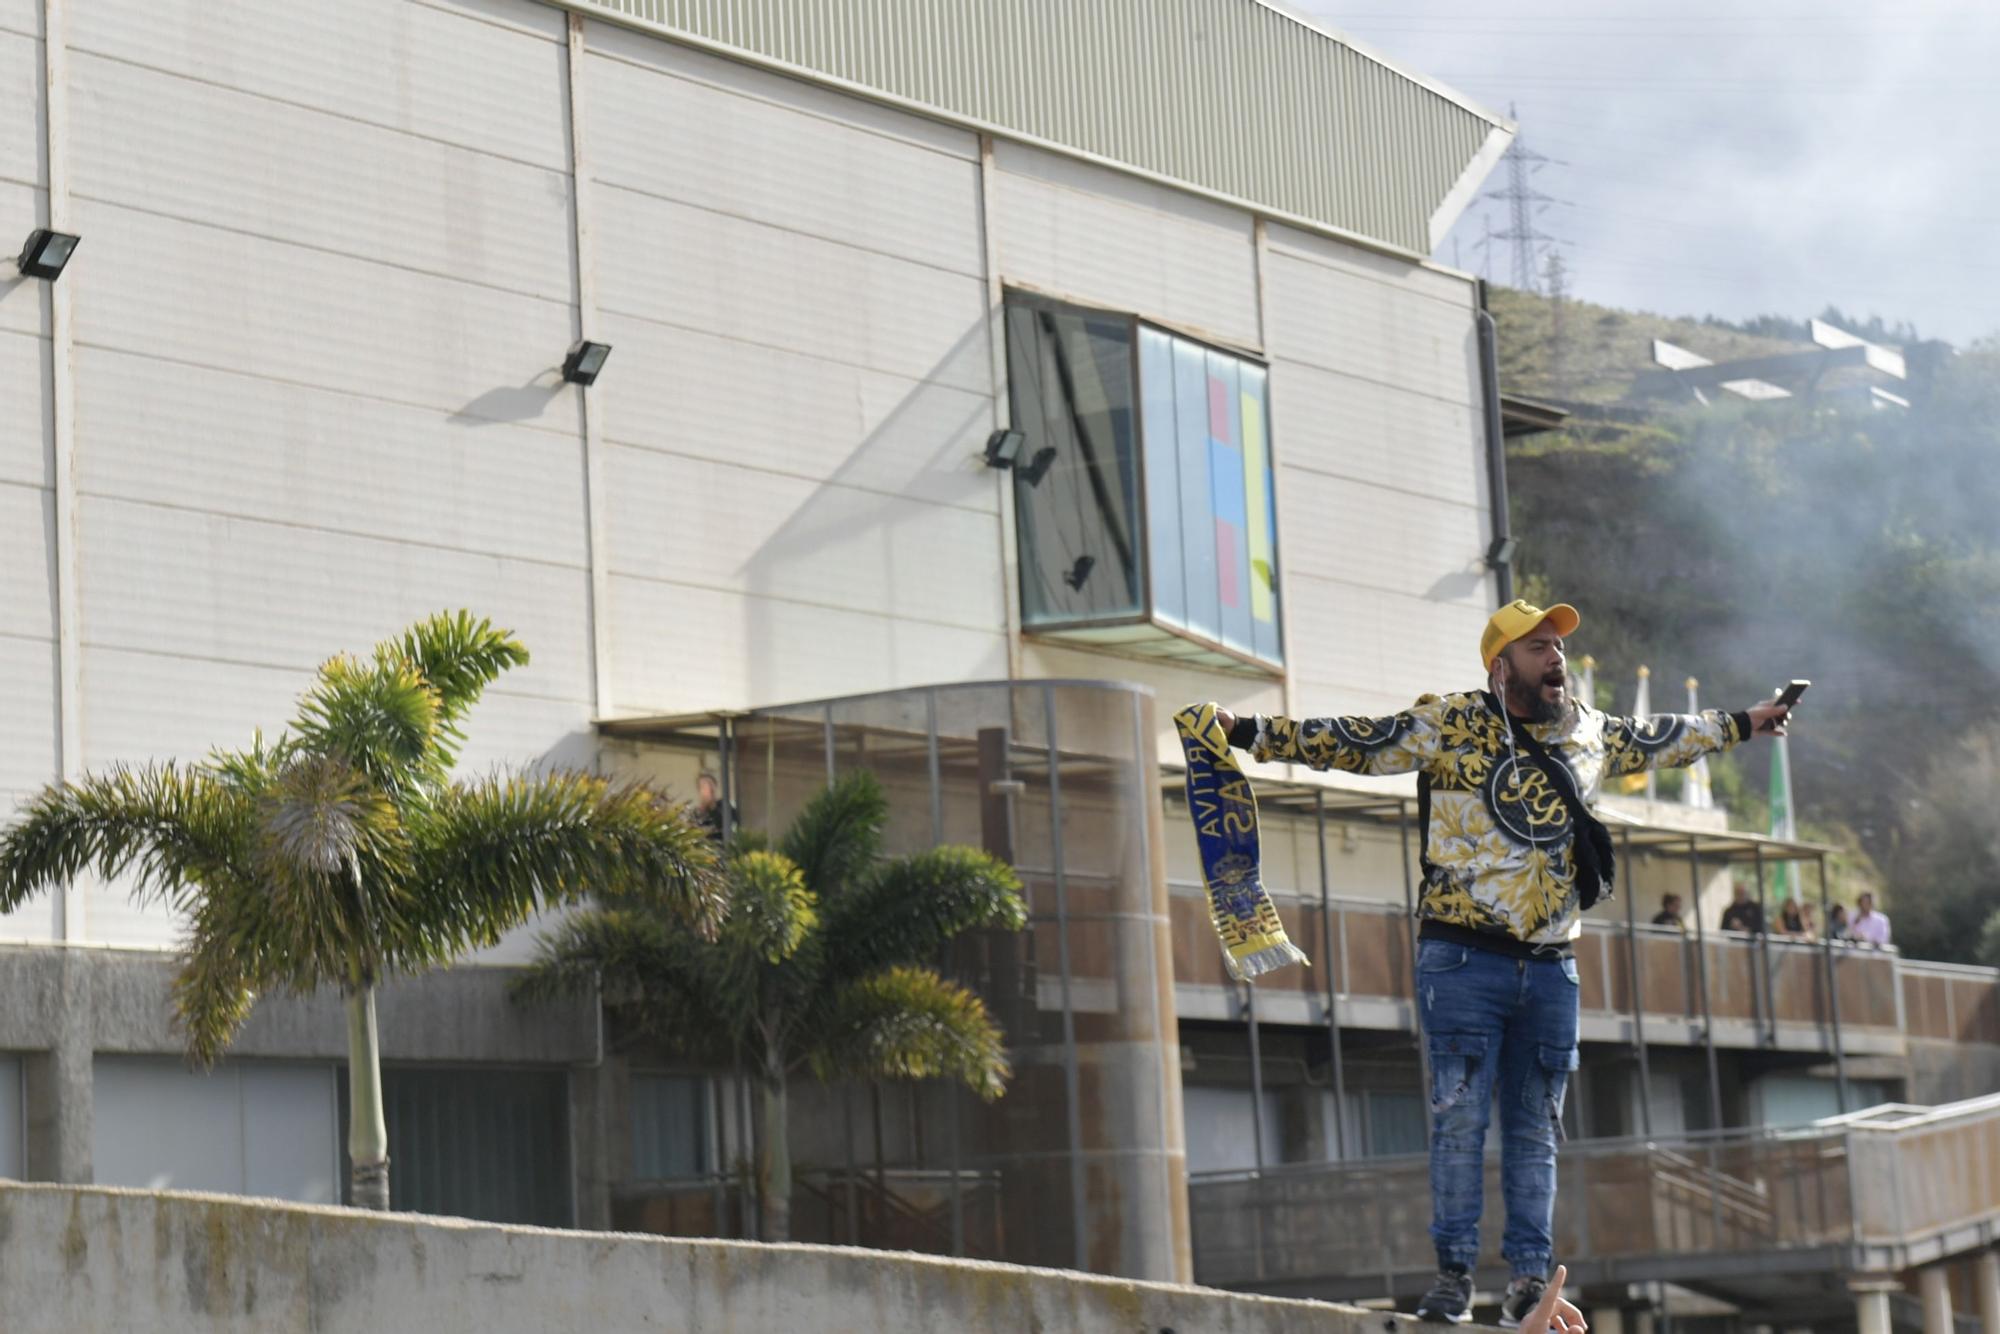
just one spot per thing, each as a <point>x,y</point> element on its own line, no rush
<point>1369,433</point>
<point>1379,436</point>
<point>795,504</point>
<point>322,459</point>
<point>744,531</point>
<point>748,281</point>
<point>802,414</point>
<point>1090,235</point>
<point>26,427</point>
<point>247,1128</point>
<point>331,276</point>
<point>198,293</point>
<point>459,71</point>
<point>679,644</point>
<point>741,142</point>
<point>23,305</point>
<point>167,144</point>
<point>21,105</point>
<point>1363,327</point>
<point>194,584</point>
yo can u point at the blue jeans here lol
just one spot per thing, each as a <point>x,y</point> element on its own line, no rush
<point>1493,1022</point>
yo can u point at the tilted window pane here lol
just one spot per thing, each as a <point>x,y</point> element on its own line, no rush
<point>1077,486</point>
<point>1163,473</point>
<point>1204,609</point>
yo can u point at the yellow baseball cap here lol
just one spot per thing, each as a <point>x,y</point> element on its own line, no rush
<point>1516,619</point>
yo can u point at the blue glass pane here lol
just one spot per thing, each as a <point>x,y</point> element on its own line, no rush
<point>1204,615</point>
<point>1163,491</point>
<point>1228,501</point>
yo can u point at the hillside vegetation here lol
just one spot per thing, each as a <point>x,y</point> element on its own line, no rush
<point>1745,544</point>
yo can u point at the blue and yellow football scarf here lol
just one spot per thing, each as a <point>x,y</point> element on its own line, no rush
<point>1225,827</point>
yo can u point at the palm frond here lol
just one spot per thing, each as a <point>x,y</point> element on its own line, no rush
<point>770,908</point>
<point>909,1023</point>
<point>912,907</point>
<point>838,835</point>
<point>458,655</point>
<point>334,861</point>
<point>382,718</point>
<point>177,830</point>
<point>488,854</point>
<point>214,990</point>
<point>651,968</point>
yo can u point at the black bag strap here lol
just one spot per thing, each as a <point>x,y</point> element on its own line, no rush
<point>1590,841</point>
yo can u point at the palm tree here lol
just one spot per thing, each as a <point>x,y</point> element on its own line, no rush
<point>344,852</point>
<point>821,968</point>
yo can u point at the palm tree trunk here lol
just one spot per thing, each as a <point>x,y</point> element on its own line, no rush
<point>774,1165</point>
<point>367,1131</point>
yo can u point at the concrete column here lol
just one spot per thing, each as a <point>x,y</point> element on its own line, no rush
<point>1606,1320</point>
<point>1934,1285</point>
<point>1871,1305</point>
<point>1089,1140</point>
<point>57,1081</point>
<point>1986,1283</point>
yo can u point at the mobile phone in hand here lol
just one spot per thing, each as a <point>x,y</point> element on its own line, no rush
<point>1788,697</point>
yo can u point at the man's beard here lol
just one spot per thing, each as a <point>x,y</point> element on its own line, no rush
<point>1525,700</point>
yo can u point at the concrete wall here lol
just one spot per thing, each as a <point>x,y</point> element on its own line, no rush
<point>106,1259</point>
<point>62,1007</point>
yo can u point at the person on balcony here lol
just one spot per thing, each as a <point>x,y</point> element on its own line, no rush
<point>1795,920</point>
<point>1744,913</point>
<point>1670,912</point>
<point>1869,927</point>
<point>1511,858</point>
<point>1837,927</point>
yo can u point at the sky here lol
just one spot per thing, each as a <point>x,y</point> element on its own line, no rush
<point>1766,157</point>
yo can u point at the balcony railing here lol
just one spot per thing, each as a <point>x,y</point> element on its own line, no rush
<point>1875,1191</point>
<point>1761,991</point>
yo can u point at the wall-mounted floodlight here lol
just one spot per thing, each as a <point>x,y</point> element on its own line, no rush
<point>1500,553</point>
<point>1003,447</point>
<point>46,253</point>
<point>584,361</point>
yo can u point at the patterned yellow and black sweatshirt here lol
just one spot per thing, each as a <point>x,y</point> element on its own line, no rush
<point>1497,852</point>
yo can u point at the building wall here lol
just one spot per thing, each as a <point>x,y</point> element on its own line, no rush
<point>332,259</point>
<point>795,283</point>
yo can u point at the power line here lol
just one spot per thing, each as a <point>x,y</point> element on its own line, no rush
<point>1531,245</point>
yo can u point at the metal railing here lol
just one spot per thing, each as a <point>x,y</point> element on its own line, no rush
<point>1873,1191</point>
<point>1751,981</point>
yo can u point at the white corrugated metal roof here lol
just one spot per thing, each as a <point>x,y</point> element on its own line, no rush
<point>1239,99</point>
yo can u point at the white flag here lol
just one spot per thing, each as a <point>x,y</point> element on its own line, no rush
<point>1695,790</point>
<point>1642,708</point>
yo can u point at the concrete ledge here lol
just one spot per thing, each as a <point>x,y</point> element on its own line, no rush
<point>89,1258</point>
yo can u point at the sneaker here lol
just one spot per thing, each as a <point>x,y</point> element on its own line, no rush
<point>1524,1294</point>
<point>1449,1302</point>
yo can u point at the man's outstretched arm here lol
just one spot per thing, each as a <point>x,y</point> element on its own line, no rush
<point>1397,744</point>
<point>1673,740</point>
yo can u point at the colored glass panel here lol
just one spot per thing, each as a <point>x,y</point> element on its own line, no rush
<point>1191,404</point>
<point>1229,499</point>
<point>1159,439</point>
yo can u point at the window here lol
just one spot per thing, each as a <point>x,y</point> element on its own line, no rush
<point>1143,496</point>
<point>669,1126</point>
<point>475,1143</point>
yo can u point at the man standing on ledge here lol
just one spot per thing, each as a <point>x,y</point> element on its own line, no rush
<point>1511,858</point>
